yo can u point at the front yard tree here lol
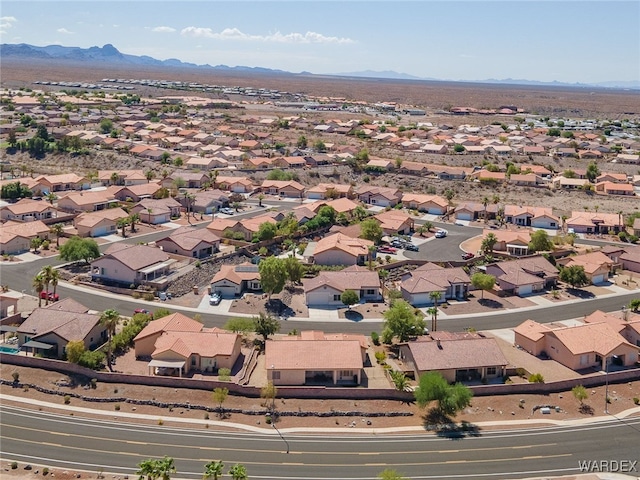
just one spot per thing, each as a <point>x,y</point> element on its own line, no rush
<point>273,275</point>
<point>220,394</point>
<point>451,399</point>
<point>266,231</point>
<point>580,393</point>
<point>213,470</point>
<point>574,275</point>
<point>371,230</point>
<point>634,305</point>
<point>592,172</point>
<point>483,281</point>
<point>38,286</point>
<point>241,325</point>
<point>77,248</point>
<point>265,325</point>
<point>488,243</point>
<point>294,268</point>
<point>400,380</point>
<point>540,242</point>
<point>268,394</point>
<point>109,319</point>
<point>401,321</point>
<point>133,219</point>
<point>349,298</point>
<point>57,229</point>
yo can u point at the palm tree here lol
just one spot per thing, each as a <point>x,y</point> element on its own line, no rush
<point>47,275</point>
<point>109,319</point>
<point>38,285</point>
<point>165,467</point>
<point>150,174</point>
<point>485,202</point>
<point>260,198</point>
<point>372,250</point>
<point>238,472</point>
<point>57,229</point>
<point>189,199</point>
<point>55,278</point>
<point>51,197</point>
<point>488,243</point>
<point>435,296</point>
<point>133,218</point>
<point>620,219</point>
<point>122,223</point>
<point>213,470</point>
<point>149,212</point>
<point>114,178</point>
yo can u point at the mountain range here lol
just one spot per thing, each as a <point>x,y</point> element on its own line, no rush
<point>108,54</point>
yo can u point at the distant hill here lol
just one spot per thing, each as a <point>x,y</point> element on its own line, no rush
<point>108,54</point>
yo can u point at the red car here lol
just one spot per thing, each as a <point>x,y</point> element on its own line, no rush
<point>386,250</point>
<point>143,310</point>
<point>467,256</point>
<point>53,297</point>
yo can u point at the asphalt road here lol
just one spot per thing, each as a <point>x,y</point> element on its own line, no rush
<point>88,444</point>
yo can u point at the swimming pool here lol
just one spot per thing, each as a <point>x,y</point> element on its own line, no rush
<point>10,350</point>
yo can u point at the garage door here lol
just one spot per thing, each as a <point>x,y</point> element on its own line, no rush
<point>98,232</point>
<point>525,290</point>
<point>225,291</point>
<point>598,278</point>
<point>463,216</point>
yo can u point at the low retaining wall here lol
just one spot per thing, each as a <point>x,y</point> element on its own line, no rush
<point>352,393</point>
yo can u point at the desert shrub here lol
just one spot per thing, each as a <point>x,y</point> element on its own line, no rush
<point>15,376</point>
<point>375,338</point>
<point>67,399</point>
<point>149,297</point>
<point>45,471</point>
<point>224,374</point>
<point>136,295</point>
<point>636,400</point>
<point>380,357</point>
<point>206,416</point>
<point>160,421</point>
<point>520,372</point>
<point>117,407</point>
<point>536,378</point>
<point>14,465</point>
<point>94,383</point>
<point>93,360</point>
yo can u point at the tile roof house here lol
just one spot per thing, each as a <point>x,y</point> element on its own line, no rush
<point>156,211</point>
<point>314,361</point>
<point>283,188</point>
<point>579,347</point>
<point>432,204</point>
<point>59,183</point>
<point>126,264</point>
<point>49,329</point>
<point>525,275</point>
<point>27,210</point>
<point>338,249</point>
<point>208,201</point>
<point>394,222</point>
<point>190,242</point>
<point>329,190</point>
<point>511,242</point>
<point>137,192</point>
<point>597,266</point>
<point>234,280</point>
<point>475,210</point>
<point>624,322</point>
<point>325,289</point>
<point>452,283</point>
<point>125,177</point>
<point>91,201</point>
<point>614,188</point>
<point>144,342</point>
<point>380,196</point>
<point>594,222</point>
<point>458,358</point>
<point>527,216</point>
<point>97,224</point>
<point>15,237</point>
<point>234,184</point>
<point>630,259</point>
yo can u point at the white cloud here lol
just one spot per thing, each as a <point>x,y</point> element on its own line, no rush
<point>163,29</point>
<point>277,37</point>
<point>65,31</point>
<point>6,23</point>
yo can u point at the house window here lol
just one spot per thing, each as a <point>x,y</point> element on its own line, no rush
<point>491,370</point>
<point>193,361</point>
<point>275,375</point>
<point>552,224</point>
<point>336,298</point>
<point>371,292</point>
<point>346,373</point>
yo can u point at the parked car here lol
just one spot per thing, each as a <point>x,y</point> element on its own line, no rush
<point>53,297</point>
<point>215,299</point>
<point>387,250</point>
<point>398,244</point>
<point>144,311</point>
<point>227,211</point>
<point>467,256</point>
<point>441,234</point>
<point>411,247</point>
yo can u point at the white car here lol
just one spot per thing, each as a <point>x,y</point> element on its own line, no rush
<point>214,299</point>
<point>441,234</point>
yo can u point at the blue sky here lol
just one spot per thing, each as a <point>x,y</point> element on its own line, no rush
<point>567,41</point>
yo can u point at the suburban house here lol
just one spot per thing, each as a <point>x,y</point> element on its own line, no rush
<point>630,259</point>
<point>137,192</point>
<point>97,224</point>
<point>473,211</point>
<point>144,342</point>
<point>379,196</point>
<point>156,211</point>
<point>433,204</point>
<point>418,285</point>
<point>207,202</point>
<point>614,188</point>
<point>594,222</point>
<point>184,179</point>
<point>340,205</point>
<point>92,201</point>
<point>283,188</point>
<point>525,275</point>
<point>324,191</point>
<point>579,347</point>
<point>597,266</point>
<point>463,357</point>
<point>394,222</point>
<point>49,329</point>
<point>338,249</point>
<point>512,242</point>
<point>327,288</point>
<point>9,304</point>
<point>45,184</point>
<point>234,184</point>
<point>302,361</point>
<point>234,280</point>
<point>190,242</point>
<point>127,264</point>
<point>526,216</point>
<point>15,237</point>
<point>121,177</point>
<point>27,210</point>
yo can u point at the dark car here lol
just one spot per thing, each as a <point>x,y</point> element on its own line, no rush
<point>411,247</point>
